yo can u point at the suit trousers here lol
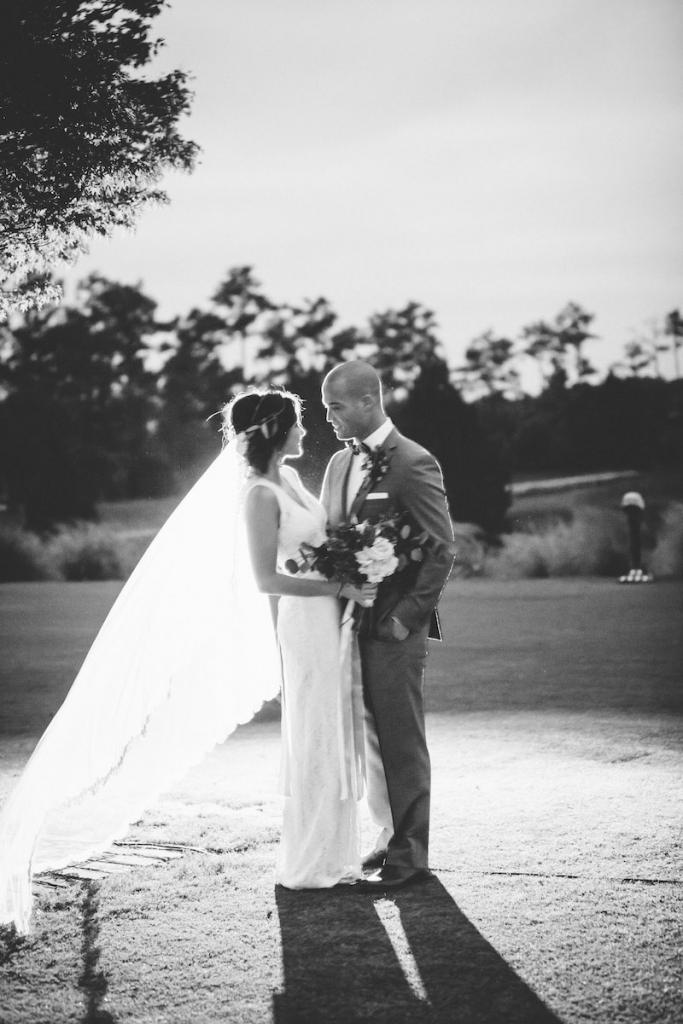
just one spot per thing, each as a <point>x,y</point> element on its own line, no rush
<point>396,750</point>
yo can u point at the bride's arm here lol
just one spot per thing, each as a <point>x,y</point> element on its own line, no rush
<point>263,518</point>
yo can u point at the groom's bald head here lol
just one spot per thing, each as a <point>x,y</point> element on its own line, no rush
<point>352,395</point>
<point>355,379</point>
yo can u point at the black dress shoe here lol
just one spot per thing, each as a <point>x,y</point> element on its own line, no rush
<point>392,877</point>
<point>374,860</point>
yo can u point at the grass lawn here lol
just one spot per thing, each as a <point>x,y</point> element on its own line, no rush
<point>555,730</point>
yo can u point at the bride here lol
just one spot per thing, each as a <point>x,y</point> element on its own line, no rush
<point>186,654</point>
<point>320,843</point>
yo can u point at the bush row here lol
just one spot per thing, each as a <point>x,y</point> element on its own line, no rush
<point>594,543</point>
<point>81,552</point>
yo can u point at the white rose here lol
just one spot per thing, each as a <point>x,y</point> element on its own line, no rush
<point>381,549</point>
<point>378,561</point>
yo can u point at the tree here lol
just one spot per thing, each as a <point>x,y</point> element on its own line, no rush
<point>489,367</point>
<point>245,339</point>
<point>194,384</point>
<point>557,347</point>
<point>403,343</point>
<point>436,416</point>
<point>298,347</point>
<point>673,328</point>
<point>640,357</point>
<point>240,303</point>
<point>427,407</point>
<point>79,404</point>
<point>643,354</point>
<point>86,136</point>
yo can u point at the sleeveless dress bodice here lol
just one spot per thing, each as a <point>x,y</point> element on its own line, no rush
<point>302,517</point>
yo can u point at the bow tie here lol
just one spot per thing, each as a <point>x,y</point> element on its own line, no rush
<point>359,448</point>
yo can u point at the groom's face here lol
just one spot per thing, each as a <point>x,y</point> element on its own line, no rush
<point>349,414</point>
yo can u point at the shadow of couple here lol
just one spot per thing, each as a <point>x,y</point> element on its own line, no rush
<point>409,957</point>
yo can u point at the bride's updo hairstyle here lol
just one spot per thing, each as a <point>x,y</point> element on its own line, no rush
<point>260,421</point>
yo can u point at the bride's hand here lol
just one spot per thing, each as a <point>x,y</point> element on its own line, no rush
<point>364,595</point>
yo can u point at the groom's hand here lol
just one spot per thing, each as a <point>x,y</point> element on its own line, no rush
<point>399,631</point>
<point>391,629</point>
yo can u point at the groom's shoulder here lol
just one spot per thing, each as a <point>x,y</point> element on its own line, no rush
<point>411,451</point>
<point>336,458</point>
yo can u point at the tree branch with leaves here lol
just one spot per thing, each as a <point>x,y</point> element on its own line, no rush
<point>86,135</point>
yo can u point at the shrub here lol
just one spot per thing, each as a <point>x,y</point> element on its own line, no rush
<point>667,557</point>
<point>470,549</point>
<point>86,552</point>
<point>23,557</point>
<point>593,544</point>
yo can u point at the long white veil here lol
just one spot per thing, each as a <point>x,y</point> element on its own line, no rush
<point>186,654</point>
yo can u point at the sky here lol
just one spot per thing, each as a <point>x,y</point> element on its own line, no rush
<point>492,159</point>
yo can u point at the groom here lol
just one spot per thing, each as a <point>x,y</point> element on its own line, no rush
<point>389,474</point>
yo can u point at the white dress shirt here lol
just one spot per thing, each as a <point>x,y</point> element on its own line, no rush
<point>374,440</point>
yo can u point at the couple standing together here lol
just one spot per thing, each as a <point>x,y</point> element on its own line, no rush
<point>187,653</point>
<point>322,743</point>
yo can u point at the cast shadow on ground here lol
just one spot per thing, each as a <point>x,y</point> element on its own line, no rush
<point>92,981</point>
<point>340,965</point>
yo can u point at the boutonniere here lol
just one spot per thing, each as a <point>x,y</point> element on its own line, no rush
<point>375,465</point>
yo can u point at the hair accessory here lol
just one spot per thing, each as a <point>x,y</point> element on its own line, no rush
<point>267,427</point>
<point>265,422</point>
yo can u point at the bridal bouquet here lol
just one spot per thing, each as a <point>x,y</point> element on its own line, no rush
<point>367,552</point>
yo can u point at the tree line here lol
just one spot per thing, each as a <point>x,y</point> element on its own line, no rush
<point>631,419</point>
<point>102,399</point>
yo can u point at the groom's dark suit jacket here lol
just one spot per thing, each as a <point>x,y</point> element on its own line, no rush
<point>412,483</point>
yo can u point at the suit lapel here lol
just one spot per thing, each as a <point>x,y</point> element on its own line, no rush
<point>345,485</point>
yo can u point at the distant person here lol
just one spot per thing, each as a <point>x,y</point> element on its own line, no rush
<point>633,506</point>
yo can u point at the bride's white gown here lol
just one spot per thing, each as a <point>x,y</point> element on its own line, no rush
<point>186,654</point>
<point>322,715</point>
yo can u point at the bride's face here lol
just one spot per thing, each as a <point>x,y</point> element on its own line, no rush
<point>292,448</point>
